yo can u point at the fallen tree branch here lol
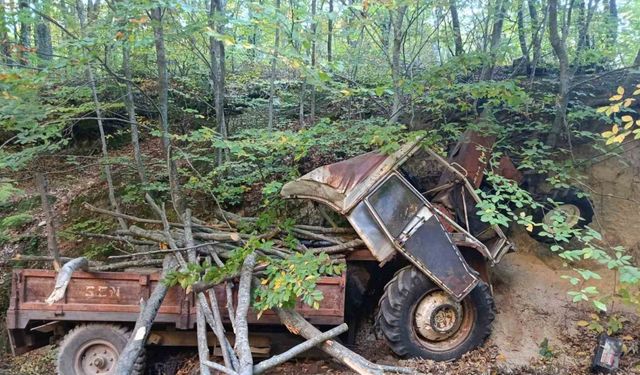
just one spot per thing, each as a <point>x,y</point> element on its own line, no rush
<point>243,348</point>
<point>298,349</point>
<point>296,324</point>
<point>64,277</point>
<point>131,263</point>
<point>161,251</point>
<point>141,331</point>
<point>338,248</point>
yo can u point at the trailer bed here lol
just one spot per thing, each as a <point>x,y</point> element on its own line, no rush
<point>115,297</point>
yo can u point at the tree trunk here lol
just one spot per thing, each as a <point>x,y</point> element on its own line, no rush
<point>217,56</point>
<point>560,50</point>
<point>64,277</point>
<point>522,38</point>
<point>274,65</point>
<point>44,47</point>
<point>613,22</point>
<point>455,23</point>
<point>312,105</point>
<point>156,15</point>
<point>496,35</point>
<point>537,32</point>
<point>398,38</point>
<point>148,313</point>
<point>25,31</point>
<point>5,44</point>
<point>52,241</point>
<point>105,152</point>
<point>330,33</point>
<point>131,112</point>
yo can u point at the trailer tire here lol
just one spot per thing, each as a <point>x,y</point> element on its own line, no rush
<point>103,341</point>
<point>411,298</point>
<point>573,203</point>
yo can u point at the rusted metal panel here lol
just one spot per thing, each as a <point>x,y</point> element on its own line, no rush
<point>411,223</point>
<point>471,155</point>
<point>115,296</point>
<point>343,185</point>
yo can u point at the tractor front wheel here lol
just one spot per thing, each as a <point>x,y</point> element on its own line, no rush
<point>418,319</point>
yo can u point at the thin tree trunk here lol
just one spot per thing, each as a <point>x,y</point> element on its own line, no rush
<point>105,153</point>
<point>636,61</point>
<point>559,49</point>
<point>312,106</point>
<point>303,89</point>
<point>398,37</point>
<point>496,35</point>
<point>274,65</point>
<point>156,15</point>
<point>455,23</point>
<point>537,32</point>
<point>44,47</point>
<point>131,112</point>
<point>522,38</point>
<point>25,32</point>
<point>613,21</point>
<point>148,313</point>
<point>217,55</point>
<point>330,33</point>
<point>5,45</point>
<point>52,241</point>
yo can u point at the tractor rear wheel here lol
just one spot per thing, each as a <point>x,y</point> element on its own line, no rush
<point>418,319</point>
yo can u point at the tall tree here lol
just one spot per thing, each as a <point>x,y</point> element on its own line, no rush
<point>397,19</point>
<point>455,25</point>
<point>217,55</point>
<point>274,65</point>
<point>156,14</point>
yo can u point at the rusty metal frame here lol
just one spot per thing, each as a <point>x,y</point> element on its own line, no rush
<point>399,246</point>
<point>503,245</point>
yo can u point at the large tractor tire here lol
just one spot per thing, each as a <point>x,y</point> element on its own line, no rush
<point>418,319</point>
<point>574,206</point>
<point>93,349</point>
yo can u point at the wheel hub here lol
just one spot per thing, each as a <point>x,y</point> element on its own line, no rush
<point>438,316</point>
<point>570,213</point>
<point>97,357</point>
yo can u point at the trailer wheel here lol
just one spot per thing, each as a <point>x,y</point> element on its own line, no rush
<point>418,319</point>
<point>94,349</point>
<point>574,206</point>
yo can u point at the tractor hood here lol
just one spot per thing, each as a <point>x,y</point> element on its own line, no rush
<point>342,185</point>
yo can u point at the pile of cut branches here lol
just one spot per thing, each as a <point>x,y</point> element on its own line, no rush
<point>200,256</point>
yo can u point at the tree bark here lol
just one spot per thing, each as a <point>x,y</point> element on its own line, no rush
<point>44,47</point>
<point>52,241</point>
<point>560,50</point>
<point>330,33</point>
<point>298,349</point>
<point>496,35</point>
<point>455,23</point>
<point>141,331</point>
<point>156,16</point>
<point>522,38</point>
<point>131,112</point>
<point>242,328</point>
<point>296,324</point>
<point>397,19</point>
<point>64,277</point>
<point>274,65</point>
<point>314,26</point>
<point>105,153</point>
<point>217,56</point>
<point>537,32</point>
